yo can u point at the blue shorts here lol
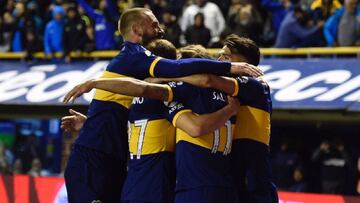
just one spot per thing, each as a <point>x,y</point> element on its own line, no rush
<point>91,175</point>
<point>252,172</point>
<point>207,195</point>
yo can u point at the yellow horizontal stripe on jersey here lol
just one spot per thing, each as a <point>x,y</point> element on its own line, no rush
<point>206,141</point>
<point>159,136</point>
<point>152,66</point>
<point>252,123</point>
<point>103,95</point>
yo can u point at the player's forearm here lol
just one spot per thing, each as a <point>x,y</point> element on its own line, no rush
<point>125,86</point>
<point>133,87</point>
<point>198,125</point>
<point>210,122</point>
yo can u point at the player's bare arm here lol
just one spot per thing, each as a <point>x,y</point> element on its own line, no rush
<point>125,86</point>
<point>197,125</point>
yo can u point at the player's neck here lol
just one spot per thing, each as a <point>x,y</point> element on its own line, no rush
<point>133,39</point>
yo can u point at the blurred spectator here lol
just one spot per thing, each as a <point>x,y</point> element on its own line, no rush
<point>18,167</point>
<point>75,36</point>
<point>90,35</point>
<point>32,44</point>
<point>36,168</point>
<point>7,27</point>
<point>6,159</point>
<point>279,9</point>
<point>246,22</point>
<point>18,33</point>
<point>224,5</point>
<point>323,9</point>
<point>176,6</point>
<point>4,168</point>
<point>334,163</point>
<point>213,19</point>
<point>297,30</point>
<point>343,28</point>
<point>171,28</point>
<point>284,164</point>
<point>54,31</point>
<point>7,6</point>
<point>158,7</point>
<point>198,33</point>
<point>105,19</point>
<point>299,183</point>
<point>6,154</point>
<point>25,148</point>
<point>32,14</point>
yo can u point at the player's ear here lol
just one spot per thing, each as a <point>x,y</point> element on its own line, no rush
<point>137,29</point>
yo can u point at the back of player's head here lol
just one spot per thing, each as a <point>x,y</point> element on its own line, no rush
<point>163,48</point>
<point>244,47</point>
<point>131,16</point>
<point>193,49</point>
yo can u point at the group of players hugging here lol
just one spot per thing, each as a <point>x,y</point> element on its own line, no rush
<point>163,128</point>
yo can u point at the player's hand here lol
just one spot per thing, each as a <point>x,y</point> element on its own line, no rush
<point>73,122</point>
<point>78,90</point>
<point>241,68</point>
<point>234,104</point>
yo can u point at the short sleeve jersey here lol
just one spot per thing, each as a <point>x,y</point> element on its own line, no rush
<point>199,158</point>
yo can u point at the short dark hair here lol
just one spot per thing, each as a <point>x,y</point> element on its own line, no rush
<point>163,48</point>
<point>130,16</point>
<point>245,47</point>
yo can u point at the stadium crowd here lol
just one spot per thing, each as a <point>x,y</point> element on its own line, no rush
<point>86,25</point>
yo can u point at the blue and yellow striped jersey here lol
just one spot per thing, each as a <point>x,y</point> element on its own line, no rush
<point>151,166</point>
<point>253,118</point>
<point>202,161</point>
<point>105,128</point>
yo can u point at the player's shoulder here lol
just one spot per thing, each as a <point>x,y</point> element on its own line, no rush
<point>251,80</point>
<point>129,48</point>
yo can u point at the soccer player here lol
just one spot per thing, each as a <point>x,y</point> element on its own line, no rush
<point>197,158</point>
<point>97,164</point>
<point>253,175</point>
<point>151,167</point>
<point>151,140</point>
